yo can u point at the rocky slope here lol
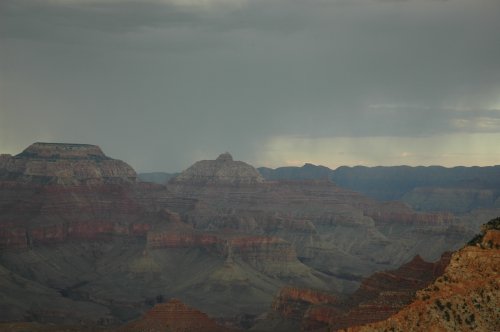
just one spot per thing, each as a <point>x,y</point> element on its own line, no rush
<point>465,298</point>
<point>378,297</point>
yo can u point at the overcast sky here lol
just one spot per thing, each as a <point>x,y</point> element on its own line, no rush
<point>163,83</point>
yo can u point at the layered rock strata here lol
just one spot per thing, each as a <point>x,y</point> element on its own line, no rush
<point>174,316</point>
<point>378,297</point>
<point>465,298</point>
<point>223,170</point>
<point>62,163</point>
<point>219,238</point>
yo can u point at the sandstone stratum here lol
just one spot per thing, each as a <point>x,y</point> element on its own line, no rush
<point>83,242</point>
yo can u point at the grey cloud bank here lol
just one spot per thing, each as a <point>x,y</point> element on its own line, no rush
<point>161,84</point>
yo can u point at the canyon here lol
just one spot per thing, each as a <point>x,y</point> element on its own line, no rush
<point>83,241</point>
<point>465,298</point>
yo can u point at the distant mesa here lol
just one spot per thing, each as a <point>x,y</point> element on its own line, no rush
<point>43,150</point>
<point>65,163</point>
<point>223,170</point>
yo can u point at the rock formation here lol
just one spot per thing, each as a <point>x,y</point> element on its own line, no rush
<point>465,298</point>
<point>62,163</point>
<point>378,297</point>
<point>218,237</point>
<point>222,171</point>
<point>174,316</point>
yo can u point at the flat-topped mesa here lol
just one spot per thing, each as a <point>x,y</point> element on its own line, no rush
<point>41,150</point>
<point>223,170</point>
<point>65,163</point>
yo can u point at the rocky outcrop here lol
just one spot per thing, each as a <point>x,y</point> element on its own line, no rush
<point>465,298</point>
<point>62,163</point>
<point>174,316</point>
<point>378,297</point>
<point>385,293</point>
<point>223,170</point>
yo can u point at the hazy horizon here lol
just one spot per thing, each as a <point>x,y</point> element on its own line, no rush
<point>267,166</point>
<point>161,84</point>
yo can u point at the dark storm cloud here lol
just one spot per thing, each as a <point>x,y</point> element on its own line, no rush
<point>162,83</point>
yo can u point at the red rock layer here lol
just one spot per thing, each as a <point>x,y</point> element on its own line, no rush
<point>465,298</point>
<point>174,316</point>
<point>32,214</point>
<point>384,293</point>
<point>378,297</point>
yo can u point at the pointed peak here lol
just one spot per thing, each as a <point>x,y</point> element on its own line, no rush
<point>226,156</point>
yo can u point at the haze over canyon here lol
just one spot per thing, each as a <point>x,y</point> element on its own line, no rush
<point>249,165</point>
<point>86,245</point>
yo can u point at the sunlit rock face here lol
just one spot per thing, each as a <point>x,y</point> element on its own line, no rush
<point>379,296</point>
<point>63,163</point>
<point>465,298</point>
<point>223,170</point>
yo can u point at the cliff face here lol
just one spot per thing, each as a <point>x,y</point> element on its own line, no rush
<point>35,215</point>
<point>378,297</point>
<point>174,316</point>
<point>465,298</point>
<point>69,164</point>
